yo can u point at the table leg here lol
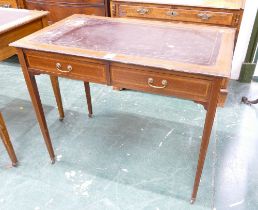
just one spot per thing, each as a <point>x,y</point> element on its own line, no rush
<point>88,98</point>
<point>6,140</point>
<point>210,115</point>
<point>35,98</point>
<point>56,89</point>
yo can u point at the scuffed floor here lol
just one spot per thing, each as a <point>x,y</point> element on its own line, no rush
<point>139,152</point>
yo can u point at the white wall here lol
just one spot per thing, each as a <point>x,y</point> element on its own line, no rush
<point>251,7</point>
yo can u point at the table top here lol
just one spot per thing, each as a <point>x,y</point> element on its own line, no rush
<point>222,4</point>
<point>171,46</point>
<point>12,18</point>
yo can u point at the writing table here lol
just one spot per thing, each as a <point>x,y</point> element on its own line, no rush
<point>184,61</point>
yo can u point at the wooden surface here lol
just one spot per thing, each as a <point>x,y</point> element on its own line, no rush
<point>62,9</point>
<point>6,140</point>
<point>222,4</point>
<point>68,49</point>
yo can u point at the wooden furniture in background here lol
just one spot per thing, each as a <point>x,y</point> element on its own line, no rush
<point>143,56</point>
<point>6,140</point>
<point>217,12</point>
<point>62,9</point>
<point>17,23</point>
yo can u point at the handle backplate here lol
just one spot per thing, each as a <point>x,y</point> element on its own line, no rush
<point>204,16</point>
<point>60,68</point>
<point>142,11</point>
<point>163,82</point>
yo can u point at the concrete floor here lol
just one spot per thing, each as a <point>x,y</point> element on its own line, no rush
<point>139,152</point>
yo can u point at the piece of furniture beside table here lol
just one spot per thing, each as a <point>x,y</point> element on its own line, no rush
<point>62,9</point>
<point>216,12</point>
<point>17,23</point>
<point>136,54</point>
<point>6,140</point>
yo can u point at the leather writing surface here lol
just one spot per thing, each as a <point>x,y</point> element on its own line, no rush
<point>186,45</point>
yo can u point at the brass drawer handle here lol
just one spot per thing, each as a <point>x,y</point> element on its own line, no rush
<point>59,68</point>
<point>172,13</point>
<point>163,82</point>
<point>204,16</point>
<point>142,11</point>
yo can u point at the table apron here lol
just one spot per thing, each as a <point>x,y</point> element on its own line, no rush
<point>163,82</point>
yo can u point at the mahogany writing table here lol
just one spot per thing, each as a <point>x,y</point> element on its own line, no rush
<point>185,61</point>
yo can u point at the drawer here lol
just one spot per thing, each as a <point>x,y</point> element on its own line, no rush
<point>8,3</point>
<point>173,84</point>
<point>185,15</point>
<point>67,66</point>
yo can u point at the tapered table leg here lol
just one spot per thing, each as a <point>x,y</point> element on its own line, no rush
<point>6,140</point>
<point>210,115</point>
<point>88,97</point>
<point>35,98</point>
<point>56,89</point>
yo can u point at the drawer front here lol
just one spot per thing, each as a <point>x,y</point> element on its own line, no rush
<point>59,12</point>
<point>167,13</point>
<point>8,3</point>
<point>67,66</point>
<point>179,85</point>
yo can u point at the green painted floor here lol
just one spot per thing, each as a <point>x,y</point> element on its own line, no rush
<point>139,152</point>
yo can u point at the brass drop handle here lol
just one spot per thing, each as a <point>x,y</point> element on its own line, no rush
<point>60,68</point>
<point>143,11</point>
<point>172,13</point>
<point>204,16</point>
<point>163,82</point>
